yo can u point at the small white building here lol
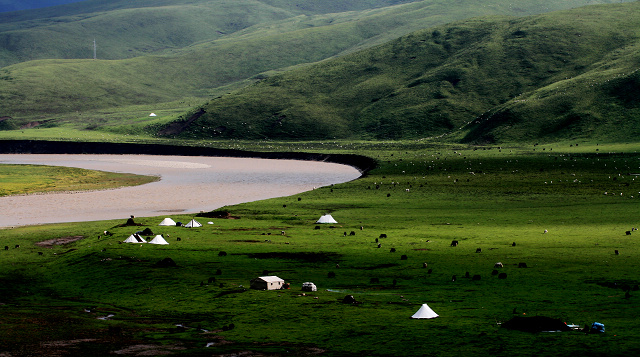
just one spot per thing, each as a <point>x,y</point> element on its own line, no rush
<point>267,283</point>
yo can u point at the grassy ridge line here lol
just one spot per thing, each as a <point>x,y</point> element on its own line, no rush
<point>202,69</point>
<point>570,275</point>
<point>435,81</point>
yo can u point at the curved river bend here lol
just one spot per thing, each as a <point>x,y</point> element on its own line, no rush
<point>188,185</point>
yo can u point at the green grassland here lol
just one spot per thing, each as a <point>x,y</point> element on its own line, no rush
<point>27,179</point>
<point>422,196</point>
<point>171,54</point>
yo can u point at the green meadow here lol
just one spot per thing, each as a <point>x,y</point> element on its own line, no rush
<point>565,206</point>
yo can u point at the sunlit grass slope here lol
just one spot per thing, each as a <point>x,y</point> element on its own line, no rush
<point>557,75</point>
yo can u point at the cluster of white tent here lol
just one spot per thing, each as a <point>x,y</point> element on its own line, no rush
<point>170,222</point>
<point>159,239</point>
<point>136,238</point>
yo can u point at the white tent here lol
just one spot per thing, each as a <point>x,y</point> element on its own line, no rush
<point>135,238</point>
<point>326,219</point>
<point>167,222</point>
<point>193,223</point>
<point>153,115</point>
<point>158,240</point>
<point>424,312</point>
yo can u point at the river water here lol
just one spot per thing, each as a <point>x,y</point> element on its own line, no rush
<point>188,185</point>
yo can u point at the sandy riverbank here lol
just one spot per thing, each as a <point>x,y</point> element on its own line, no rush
<point>188,185</point>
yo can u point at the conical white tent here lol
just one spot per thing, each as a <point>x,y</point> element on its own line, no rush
<point>424,312</point>
<point>134,238</point>
<point>158,240</point>
<point>167,222</point>
<point>327,218</point>
<point>193,223</point>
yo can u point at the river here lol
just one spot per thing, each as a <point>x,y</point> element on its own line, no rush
<point>188,184</point>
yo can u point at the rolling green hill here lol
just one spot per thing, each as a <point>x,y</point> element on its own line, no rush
<point>559,75</point>
<point>126,29</point>
<point>83,93</point>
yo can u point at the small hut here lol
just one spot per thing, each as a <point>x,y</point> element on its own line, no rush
<point>267,283</point>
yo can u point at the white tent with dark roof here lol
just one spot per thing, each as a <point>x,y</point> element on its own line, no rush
<point>193,223</point>
<point>135,238</point>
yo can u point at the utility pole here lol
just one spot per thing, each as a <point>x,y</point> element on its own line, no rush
<point>94,49</point>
